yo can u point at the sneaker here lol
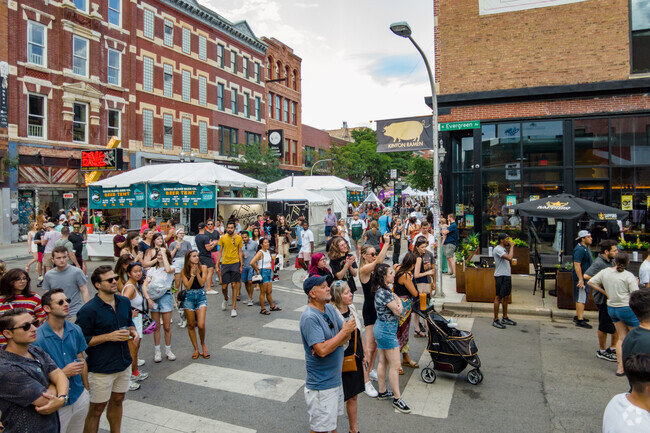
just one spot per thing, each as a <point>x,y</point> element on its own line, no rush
<point>157,357</point>
<point>40,284</point>
<point>370,390</point>
<point>133,386</point>
<point>452,276</point>
<point>507,321</point>
<point>401,406</point>
<point>250,302</point>
<point>170,355</point>
<point>40,278</point>
<point>141,362</point>
<point>497,324</point>
<point>140,377</point>
<point>233,313</point>
<point>211,292</point>
<point>607,356</point>
<point>224,305</point>
<point>384,395</point>
<point>575,319</point>
<point>583,324</point>
<point>275,278</point>
<point>373,375</point>
<point>611,350</point>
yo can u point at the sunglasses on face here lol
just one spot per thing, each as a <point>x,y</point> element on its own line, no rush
<point>372,254</point>
<point>66,300</point>
<point>27,326</point>
<point>329,322</point>
<point>110,280</point>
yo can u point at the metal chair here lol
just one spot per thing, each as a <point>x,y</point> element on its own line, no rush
<point>542,273</point>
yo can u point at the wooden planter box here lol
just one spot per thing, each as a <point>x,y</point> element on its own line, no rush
<point>479,285</point>
<point>522,254</point>
<point>460,278</point>
<point>564,290</point>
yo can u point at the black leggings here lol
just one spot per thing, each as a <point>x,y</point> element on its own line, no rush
<point>397,247</point>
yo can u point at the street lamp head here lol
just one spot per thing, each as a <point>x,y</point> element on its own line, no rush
<point>401,28</point>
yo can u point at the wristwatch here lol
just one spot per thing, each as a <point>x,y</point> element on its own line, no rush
<point>65,397</point>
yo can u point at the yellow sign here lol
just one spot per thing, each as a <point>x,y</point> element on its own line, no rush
<point>627,202</point>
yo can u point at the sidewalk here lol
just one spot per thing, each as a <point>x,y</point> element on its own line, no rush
<point>17,251</point>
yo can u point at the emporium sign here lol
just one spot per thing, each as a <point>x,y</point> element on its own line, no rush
<point>176,195</point>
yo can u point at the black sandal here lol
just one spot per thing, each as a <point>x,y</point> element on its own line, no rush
<point>276,308</point>
<point>265,312</point>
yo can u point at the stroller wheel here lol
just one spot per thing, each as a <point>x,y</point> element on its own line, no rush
<point>475,376</point>
<point>428,375</point>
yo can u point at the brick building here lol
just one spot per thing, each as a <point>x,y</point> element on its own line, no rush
<point>5,219</point>
<point>561,93</point>
<point>317,144</point>
<point>284,101</point>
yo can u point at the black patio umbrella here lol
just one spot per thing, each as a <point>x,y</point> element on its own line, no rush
<point>567,206</point>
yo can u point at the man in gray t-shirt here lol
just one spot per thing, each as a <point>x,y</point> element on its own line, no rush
<point>503,254</point>
<point>249,249</point>
<point>69,278</point>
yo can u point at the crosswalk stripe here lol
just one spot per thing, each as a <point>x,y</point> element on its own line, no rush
<point>147,418</point>
<point>261,346</point>
<point>285,324</point>
<point>433,400</point>
<point>239,381</point>
<point>301,309</point>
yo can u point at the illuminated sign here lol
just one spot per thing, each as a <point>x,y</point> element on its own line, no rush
<point>101,160</point>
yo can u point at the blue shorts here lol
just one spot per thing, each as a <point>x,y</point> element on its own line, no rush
<point>328,230</point>
<point>266,275</point>
<point>385,334</point>
<point>623,314</point>
<point>195,299</point>
<point>164,304</point>
<point>247,274</point>
<point>580,295</point>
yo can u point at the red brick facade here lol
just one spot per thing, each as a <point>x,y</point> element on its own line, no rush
<point>317,145</point>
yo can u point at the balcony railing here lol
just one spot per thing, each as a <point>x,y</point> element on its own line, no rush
<point>79,70</point>
<point>37,59</point>
<point>35,130</point>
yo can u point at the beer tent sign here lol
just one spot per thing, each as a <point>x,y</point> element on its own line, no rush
<point>404,135</point>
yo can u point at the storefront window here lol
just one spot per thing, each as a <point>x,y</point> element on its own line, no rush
<point>501,144</point>
<point>542,143</point>
<point>591,141</point>
<point>542,183</point>
<point>500,189</point>
<point>464,200</point>
<point>630,140</point>
<point>463,150</point>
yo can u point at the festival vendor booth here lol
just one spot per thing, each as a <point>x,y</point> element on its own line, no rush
<point>198,189</point>
<point>329,186</point>
<point>295,202</point>
<point>372,199</point>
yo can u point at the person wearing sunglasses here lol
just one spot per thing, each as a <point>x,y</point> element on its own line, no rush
<point>107,324</point>
<point>65,343</point>
<point>15,292</point>
<point>38,387</point>
<point>323,333</point>
<point>70,278</point>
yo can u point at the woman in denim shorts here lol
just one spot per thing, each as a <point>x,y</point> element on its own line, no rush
<point>159,279</point>
<point>195,303</point>
<point>265,269</point>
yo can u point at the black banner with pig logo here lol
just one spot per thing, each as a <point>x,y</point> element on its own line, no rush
<point>404,135</point>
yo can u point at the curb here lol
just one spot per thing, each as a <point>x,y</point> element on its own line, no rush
<point>520,311</point>
<point>9,258</point>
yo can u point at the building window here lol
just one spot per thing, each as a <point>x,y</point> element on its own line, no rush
<point>245,66</point>
<point>80,123</point>
<point>294,108</point>
<point>113,124</point>
<point>220,96</point>
<point>501,144</point>
<point>114,75</point>
<point>233,61</point>
<point>187,41</point>
<point>640,36</point>
<point>168,73</point>
<point>186,86</point>
<point>168,131</point>
<point>253,138</point>
<point>258,108</point>
<point>228,140</point>
<point>202,91</point>
<point>203,137</point>
<point>294,151</point>
<point>187,134</point>
<point>269,69</point>
<point>233,101</point>
<point>277,108</point>
<point>591,138</point>
<point>148,24</point>
<point>247,113</point>
<point>147,80</point>
<point>542,143</point>
<point>287,149</point>
<point>294,78</point>
<point>310,153</point>
<point>220,60</point>
<point>36,43</point>
<point>285,110</point>
<point>203,48</point>
<point>80,56</point>
<point>169,33</point>
<point>270,104</point>
<point>115,12</point>
<point>36,116</point>
<point>257,72</point>
<point>147,128</point>
<point>81,5</point>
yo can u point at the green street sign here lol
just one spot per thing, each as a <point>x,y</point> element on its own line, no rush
<point>457,126</point>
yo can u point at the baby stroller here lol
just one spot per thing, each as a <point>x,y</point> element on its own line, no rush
<point>451,349</point>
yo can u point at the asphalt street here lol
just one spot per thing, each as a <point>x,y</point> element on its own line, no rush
<point>539,376</point>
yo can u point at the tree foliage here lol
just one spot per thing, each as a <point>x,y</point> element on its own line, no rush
<point>420,173</point>
<point>257,162</point>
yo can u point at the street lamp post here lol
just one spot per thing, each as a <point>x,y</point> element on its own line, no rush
<point>404,30</point>
<point>311,173</point>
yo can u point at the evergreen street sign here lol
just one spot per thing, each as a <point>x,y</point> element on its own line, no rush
<point>457,126</point>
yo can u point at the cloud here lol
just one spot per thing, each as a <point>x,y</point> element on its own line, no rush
<point>405,68</point>
<point>306,5</point>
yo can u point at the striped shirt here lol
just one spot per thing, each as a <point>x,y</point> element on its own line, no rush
<point>31,304</point>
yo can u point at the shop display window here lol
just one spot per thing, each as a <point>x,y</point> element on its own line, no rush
<point>591,141</point>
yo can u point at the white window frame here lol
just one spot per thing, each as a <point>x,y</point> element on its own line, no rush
<point>168,139</point>
<point>30,25</point>
<point>294,108</point>
<point>168,87</point>
<point>148,25</point>
<point>203,48</point>
<point>187,41</point>
<point>119,13</point>
<point>278,108</point>
<point>187,86</point>
<point>233,61</point>
<point>44,117</point>
<point>247,112</point>
<point>285,110</point>
<point>168,39</point>
<point>83,122</point>
<point>76,38</point>
<point>203,137</point>
<point>220,53</point>
<point>187,134</point>
<point>221,96</point>
<point>119,123</point>
<point>258,108</point>
<point>118,68</point>
<point>147,128</point>
<point>85,2</point>
<point>245,66</point>
<point>147,74</point>
<point>257,72</point>
<point>234,106</point>
<point>203,89</point>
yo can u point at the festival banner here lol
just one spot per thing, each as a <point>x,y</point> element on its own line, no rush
<point>176,195</point>
<point>116,198</point>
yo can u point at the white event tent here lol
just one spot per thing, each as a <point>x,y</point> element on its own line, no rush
<point>329,186</point>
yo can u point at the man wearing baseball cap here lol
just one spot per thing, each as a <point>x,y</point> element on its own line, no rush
<point>503,255</point>
<point>323,334</point>
<point>582,260</point>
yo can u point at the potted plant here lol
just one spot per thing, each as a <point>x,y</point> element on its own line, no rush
<point>480,283</point>
<point>564,289</point>
<point>467,249</point>
<point>638,245</point>
<point>521,252</point>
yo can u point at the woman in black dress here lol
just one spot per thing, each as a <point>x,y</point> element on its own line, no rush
<point>344,265</point>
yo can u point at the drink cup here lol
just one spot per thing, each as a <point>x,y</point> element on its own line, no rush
<point>423,301</point>
<point>127,329</point>
<point>514,262</point>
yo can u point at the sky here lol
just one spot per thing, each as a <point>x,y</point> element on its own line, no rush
<point>354,68</point>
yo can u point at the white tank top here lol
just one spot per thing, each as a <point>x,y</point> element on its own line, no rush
<point>136,302</point>
<point>266,259</point>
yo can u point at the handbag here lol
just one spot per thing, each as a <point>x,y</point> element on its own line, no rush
<point>180,296</point>
<point>257,278</point>
<point>350,361</point>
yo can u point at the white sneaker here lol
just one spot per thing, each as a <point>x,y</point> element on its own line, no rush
<point>211,292</point>
<point>133,386</point>
<point>224,305</point>
<point>233,313</point>
<point>141,362</point>
<point>170,356</point>
<point>370,390</point>
<point>373,375</point>
<point>183,323</point>
<point>250,302</point>
<point>40,278</point>
<point>157,357</point>
<point>140,377</point>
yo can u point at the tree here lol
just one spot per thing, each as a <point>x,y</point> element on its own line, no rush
<point>420,173</point>
<point>258,162</point>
